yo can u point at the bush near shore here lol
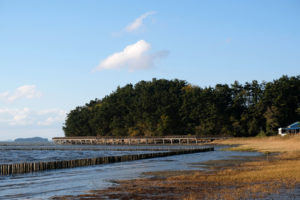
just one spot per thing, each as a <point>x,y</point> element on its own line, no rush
<point>171,107</point>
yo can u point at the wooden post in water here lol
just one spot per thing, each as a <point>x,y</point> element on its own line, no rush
<point>16,168</point>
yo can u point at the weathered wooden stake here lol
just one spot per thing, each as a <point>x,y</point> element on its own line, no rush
<point>17,168</point>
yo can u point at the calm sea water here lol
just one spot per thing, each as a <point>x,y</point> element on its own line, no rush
<point>26,152</point>
<point>43,185</point>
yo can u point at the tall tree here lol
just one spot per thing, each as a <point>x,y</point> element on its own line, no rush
<point>168,107</point>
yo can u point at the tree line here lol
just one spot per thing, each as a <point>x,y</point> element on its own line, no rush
<point>175,107</point>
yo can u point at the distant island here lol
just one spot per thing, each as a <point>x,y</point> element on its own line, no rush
<point>33,139</point>
<point>175,107</point>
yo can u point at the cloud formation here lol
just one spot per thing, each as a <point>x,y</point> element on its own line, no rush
<point>137,23</point>
<point>51,116</point>
<point>133,57</point>
<point>26,116</point>
<point>22,92</point>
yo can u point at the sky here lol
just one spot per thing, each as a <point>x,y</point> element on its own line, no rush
<point>58,54</point>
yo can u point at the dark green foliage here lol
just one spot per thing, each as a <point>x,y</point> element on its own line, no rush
<point>170,107</point>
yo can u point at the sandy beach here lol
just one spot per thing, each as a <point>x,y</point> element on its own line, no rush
<point>274,175</point>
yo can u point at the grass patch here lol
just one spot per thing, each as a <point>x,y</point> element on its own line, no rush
<point>239,149</point>
<point>264,144</point>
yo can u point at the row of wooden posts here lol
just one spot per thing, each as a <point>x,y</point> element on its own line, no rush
<point>132,140</point>
<point>17,168</point>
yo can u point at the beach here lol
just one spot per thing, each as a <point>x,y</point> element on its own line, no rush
<point>275,175</point>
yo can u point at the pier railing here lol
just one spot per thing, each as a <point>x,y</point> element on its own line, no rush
<point>105,140</point>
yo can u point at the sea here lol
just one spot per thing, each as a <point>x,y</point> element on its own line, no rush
<point>51,183</point>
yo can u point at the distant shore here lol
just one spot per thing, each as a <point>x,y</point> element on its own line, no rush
<point>275,175</point>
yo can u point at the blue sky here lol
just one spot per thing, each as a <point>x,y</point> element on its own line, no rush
<point>56,55</point>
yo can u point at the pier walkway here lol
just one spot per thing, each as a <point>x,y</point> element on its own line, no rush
<point>110,140</point>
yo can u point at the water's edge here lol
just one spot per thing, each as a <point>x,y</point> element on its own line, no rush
<point>42,185</point>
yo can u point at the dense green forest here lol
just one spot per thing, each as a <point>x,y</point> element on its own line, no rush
<point>171,107</point>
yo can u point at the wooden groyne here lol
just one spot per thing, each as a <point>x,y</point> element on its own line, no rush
<point>17,168</point>
<point>109,140</point>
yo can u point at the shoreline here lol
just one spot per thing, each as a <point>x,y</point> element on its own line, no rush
<point>77,181</point>
<point>268,175</point>
<point>151,186</point>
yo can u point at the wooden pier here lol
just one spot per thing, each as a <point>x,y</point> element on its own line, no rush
<point>132,140</point>
<point>29,167</point>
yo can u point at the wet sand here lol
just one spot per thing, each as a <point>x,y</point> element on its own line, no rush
<point>271,176</point>
<point>168,184</point>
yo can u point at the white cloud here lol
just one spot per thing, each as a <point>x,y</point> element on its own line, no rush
<point>134,56</point>
<point>15,116</point>
<point>26,116</point>
<point>137,23</point>
<point>22,92</point>
<point>51,116</point>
